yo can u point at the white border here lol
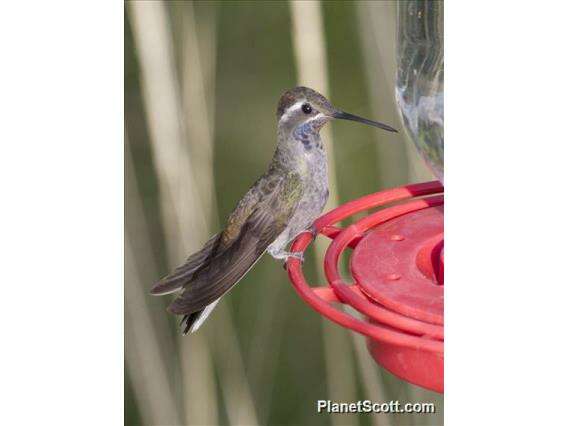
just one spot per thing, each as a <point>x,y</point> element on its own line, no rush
<point>61,132</point>
<point>506,213</point>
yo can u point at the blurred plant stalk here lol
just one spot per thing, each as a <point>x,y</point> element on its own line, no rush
<point>173,168</point>
<point>377,32</point>
<point>144,338</point>
<point>184,210</point>
<point>197,63</point>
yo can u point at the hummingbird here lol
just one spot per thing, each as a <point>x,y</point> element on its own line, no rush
<point>280,205</point>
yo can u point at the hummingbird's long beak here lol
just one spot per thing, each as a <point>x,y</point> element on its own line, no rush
<point>346,116</point>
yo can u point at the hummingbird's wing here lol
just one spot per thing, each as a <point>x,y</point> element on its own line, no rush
<point>257,221</point>
<point>184,273</point>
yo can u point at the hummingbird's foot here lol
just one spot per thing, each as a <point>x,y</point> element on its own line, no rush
<point>285,255</point>
<point>296,255</point>
<point>291,254</point>
<point>312,230</point>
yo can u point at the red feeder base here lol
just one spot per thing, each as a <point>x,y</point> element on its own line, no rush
<point>397,265</point>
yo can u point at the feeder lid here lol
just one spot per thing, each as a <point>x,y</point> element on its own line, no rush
<point>399,266</point>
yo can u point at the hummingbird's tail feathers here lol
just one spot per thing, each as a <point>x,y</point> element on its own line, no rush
<point>194,320</point>
<point>259,218</point>
<point>187,321</point>
<point>229,266</point>
<point>183,274</point>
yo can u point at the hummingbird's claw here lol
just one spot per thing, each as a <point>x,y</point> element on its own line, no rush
<point>312,230</point>
<point>291,254</point>
<point>296,255</point>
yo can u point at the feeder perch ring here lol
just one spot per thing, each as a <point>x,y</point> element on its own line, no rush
<point>397,265</point>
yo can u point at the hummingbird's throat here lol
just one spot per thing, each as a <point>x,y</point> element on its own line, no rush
<point>308,133</point>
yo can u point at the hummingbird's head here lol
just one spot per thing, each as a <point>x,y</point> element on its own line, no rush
<point>302,105</point>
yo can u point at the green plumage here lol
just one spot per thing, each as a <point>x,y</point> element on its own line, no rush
<point>260,216</point>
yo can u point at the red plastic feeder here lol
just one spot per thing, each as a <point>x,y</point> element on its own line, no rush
<point>397,265</point>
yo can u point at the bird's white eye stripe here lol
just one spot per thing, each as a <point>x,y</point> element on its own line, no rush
<point>292,109</point>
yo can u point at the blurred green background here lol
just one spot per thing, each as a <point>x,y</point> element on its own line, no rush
<point>202,80</point>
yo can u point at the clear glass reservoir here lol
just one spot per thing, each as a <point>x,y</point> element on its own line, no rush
<point>420,78</point>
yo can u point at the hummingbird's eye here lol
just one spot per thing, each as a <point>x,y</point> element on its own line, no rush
<point>307,108</point>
